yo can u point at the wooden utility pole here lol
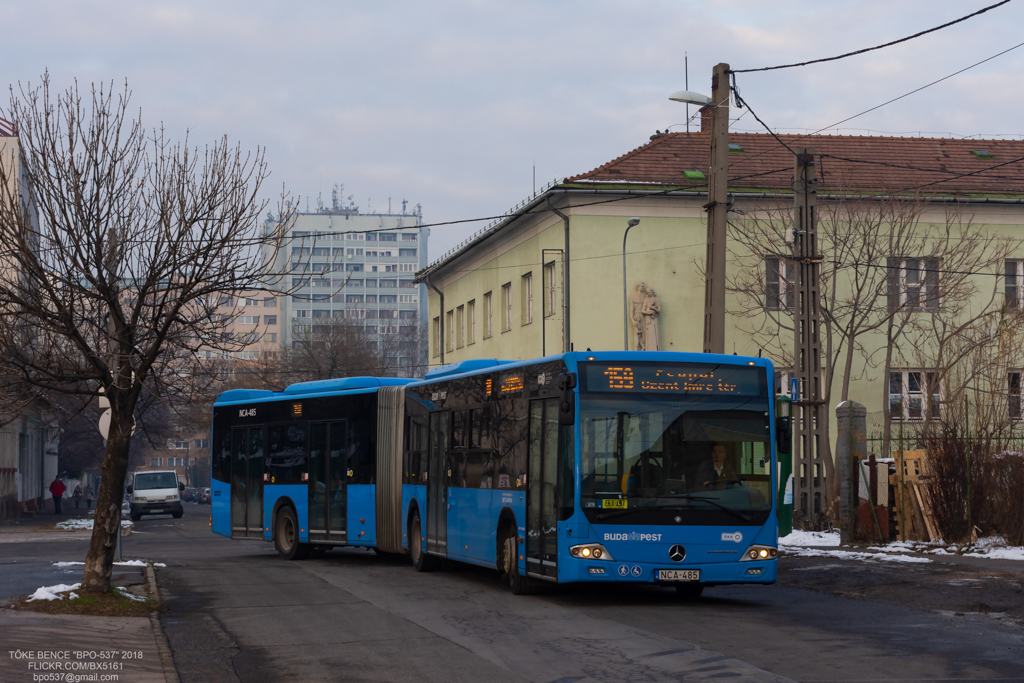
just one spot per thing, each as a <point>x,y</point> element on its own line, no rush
<point>809,422</point>
<point>717,206</point>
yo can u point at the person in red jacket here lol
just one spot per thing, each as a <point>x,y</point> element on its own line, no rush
<point>57,489</point>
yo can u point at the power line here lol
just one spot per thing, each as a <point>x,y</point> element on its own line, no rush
<point>867,111</point>
<point>877,47</point>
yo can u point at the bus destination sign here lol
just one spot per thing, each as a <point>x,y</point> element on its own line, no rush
<point>675,378</point>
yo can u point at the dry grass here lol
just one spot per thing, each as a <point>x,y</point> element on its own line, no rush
<point>111,604</point>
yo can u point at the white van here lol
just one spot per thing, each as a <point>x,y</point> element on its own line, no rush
<point>155,493</point>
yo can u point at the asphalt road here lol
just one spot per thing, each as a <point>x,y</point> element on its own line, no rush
<point>236,612</point>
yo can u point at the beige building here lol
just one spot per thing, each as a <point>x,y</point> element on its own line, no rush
<point>561,274</point>
<point>28,439</point>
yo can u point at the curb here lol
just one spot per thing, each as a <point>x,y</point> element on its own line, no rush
<point>170,672</point>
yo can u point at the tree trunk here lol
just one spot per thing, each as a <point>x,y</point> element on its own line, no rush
<point>99,561</point>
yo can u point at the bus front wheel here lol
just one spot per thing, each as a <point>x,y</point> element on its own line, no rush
<point>516,581</point>
<point>286,536</point>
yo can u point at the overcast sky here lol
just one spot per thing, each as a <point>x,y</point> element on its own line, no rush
<point>449,104</point>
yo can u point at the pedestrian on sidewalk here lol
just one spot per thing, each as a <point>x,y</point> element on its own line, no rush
<point>57,489</point>
<point>88,496</point>
<point>77,495</point>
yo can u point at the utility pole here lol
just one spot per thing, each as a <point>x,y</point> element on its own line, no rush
<point>809,422</point>
<point>718,185</point>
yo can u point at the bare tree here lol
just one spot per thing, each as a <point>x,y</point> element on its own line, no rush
<point>341,348</point>
<point>889,281</point>
<point>116,288</point>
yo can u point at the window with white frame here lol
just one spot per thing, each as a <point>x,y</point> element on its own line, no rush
<point>913,284</point>
<point>252,302</point>
<point>436,335</point>
<point>201,443</point>
<point>449,323</point>
<point>783,382</point>
<point>471,322</point>
<point>248,320</point>
<point>156,462</point>
<point>526,299</point>
<point>778,280</point>
<point>488,315</point>
<point>460,322</point>
<point>549,289</point>
<point>408,299</point>
<point>914,395</point>
<point>1014,395</point>
<point>506,304</point>
<point>1014,281</point>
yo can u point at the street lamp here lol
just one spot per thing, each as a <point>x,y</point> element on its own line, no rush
<point>632,223</point>
<point>690,97</point>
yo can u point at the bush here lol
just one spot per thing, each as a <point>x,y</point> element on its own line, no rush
<point>950,459</point>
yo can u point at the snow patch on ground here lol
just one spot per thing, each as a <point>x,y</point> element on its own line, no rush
<point>810,538</point>
<point>132,596</point>
<point>83,524</point>
<point>852,555</point>
<point>53,592</point>
<point>67,564</point>
<point>126,563</point>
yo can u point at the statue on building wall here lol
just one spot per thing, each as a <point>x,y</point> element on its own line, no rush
<point>649,312</point>
<point>636,304</point>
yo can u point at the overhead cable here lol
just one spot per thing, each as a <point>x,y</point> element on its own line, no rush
<point>877,47</point>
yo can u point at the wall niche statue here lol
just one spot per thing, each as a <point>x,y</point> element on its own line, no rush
<point>644,310</point>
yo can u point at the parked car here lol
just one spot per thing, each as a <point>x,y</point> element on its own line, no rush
<point>204,497</point>
<point>154,493</point>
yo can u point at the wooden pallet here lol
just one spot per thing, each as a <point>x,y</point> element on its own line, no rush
<point>911,497</point>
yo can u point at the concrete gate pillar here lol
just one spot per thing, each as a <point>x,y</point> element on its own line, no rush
<point>851,447</point>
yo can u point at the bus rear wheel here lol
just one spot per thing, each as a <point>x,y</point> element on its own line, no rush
<point>286,536</point>
<point>421,561</point>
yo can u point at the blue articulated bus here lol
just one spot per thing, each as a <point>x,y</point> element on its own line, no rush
<point>648,467</point>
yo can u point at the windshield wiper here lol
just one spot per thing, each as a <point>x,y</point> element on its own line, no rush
<point>619,513</point>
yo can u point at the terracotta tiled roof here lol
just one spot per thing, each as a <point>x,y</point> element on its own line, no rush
<point>896,164</point>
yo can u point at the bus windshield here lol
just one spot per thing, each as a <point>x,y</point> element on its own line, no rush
<point>671,456</point>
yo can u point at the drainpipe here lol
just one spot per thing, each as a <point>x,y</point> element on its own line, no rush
<point>565,280</point>
<point>440,319</point>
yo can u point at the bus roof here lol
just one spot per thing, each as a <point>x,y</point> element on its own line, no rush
<point>324,386</point>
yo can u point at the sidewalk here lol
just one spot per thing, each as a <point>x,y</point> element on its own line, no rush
<point>40,527</point>
<point>131,648</point>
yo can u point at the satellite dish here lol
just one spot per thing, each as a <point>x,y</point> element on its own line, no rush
<point>105,424</point>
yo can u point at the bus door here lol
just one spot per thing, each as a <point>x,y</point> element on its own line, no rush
<point>247,482</point>
<point>328,478</point>
<point>542,490</point>
<point>437,482</point>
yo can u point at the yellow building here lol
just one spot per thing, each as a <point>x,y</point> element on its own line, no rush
<point>559,272</point>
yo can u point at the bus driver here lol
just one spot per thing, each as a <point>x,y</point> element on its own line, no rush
<point>715,473</point>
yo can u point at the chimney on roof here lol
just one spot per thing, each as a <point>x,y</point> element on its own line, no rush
<point>705,120</point>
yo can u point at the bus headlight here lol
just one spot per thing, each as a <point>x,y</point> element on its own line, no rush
<point>759,552</point>
<point>590,551</point>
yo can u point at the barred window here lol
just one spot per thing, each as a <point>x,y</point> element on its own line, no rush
<point>914,395</point>
<point>913,284</point>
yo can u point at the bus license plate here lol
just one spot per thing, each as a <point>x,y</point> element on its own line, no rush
<point>614,503</point>
<point>679,575</point>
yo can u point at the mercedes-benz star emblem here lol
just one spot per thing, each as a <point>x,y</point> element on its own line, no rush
<point>676,553</point>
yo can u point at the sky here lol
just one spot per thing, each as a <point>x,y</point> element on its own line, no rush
<point>451,104</point>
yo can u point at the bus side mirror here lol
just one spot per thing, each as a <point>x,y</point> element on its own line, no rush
<point>567,400</point>
<point>783,435</point>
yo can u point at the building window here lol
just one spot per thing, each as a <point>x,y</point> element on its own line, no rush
<point>270,319</point>
<point>778,278</point>
<point>407,267</point>
<point>506,305</point>
<point>488,315</point>
<point>227,301</point>
<point>408,299</point>
<point>449,323</point>
<point>201,443</point>
<point>526,299</point>
<point>248,320</point>
<point>1014,404</point>
<point>549,289</point>
<point>913,284</point>
<point>407,252</point>
<point>387,237</point>
<point>156,462</point>
<point>269,302</point>
<point>914,395</point>
<point>471,322</point>
<point>1014,282</point>
<point>435,335</point>
<point>300,313</point>
<point>461,322</point>
<point>252,302</point>
<point>270,337</point>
